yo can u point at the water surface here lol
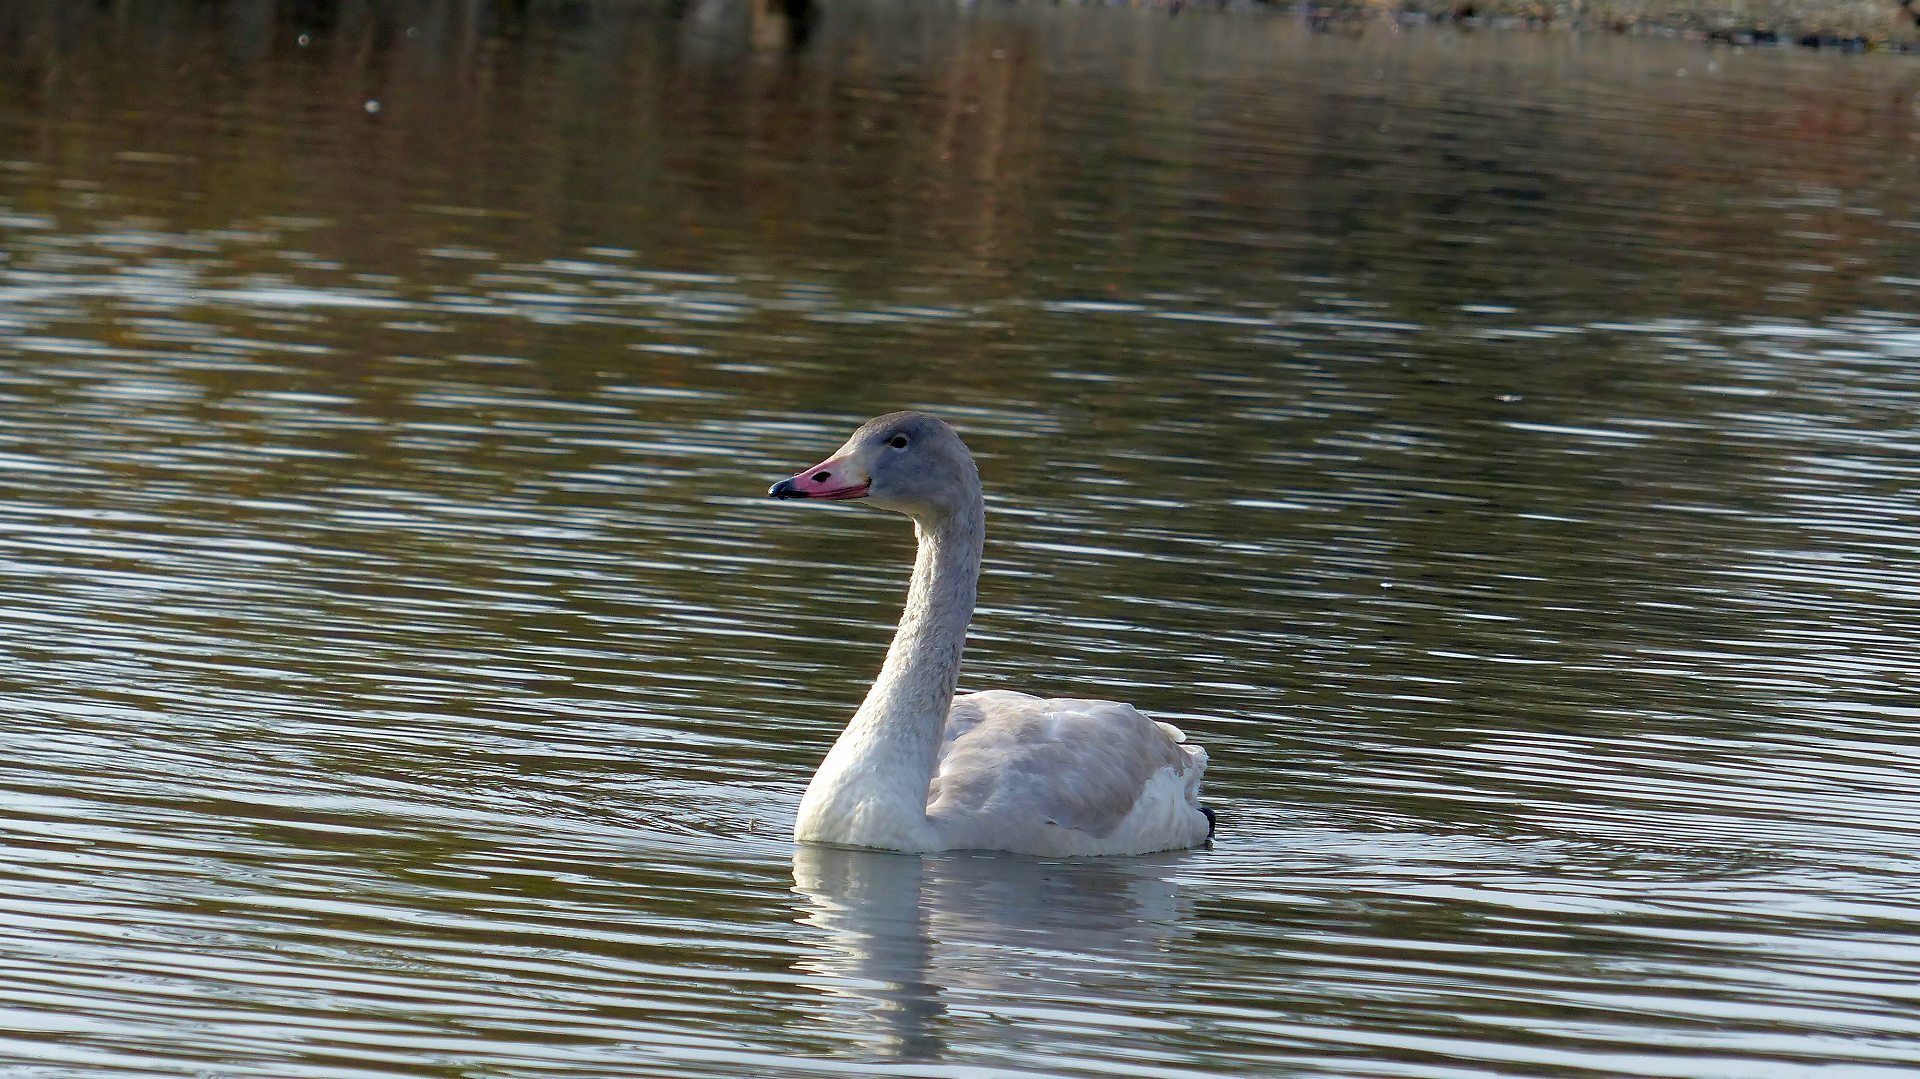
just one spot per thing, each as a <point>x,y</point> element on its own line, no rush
<point>1499,450</point>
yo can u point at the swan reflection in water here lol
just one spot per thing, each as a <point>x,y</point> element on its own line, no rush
<point>910,939</point>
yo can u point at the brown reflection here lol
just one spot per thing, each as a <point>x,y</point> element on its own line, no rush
<point>988,153</point>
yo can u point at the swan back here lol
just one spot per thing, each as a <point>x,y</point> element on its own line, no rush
<point>1074,776</point>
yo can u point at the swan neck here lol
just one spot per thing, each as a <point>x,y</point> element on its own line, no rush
<point>872,788</point>
<point>923,663</point>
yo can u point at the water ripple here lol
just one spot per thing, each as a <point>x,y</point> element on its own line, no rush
<point>400,671</point>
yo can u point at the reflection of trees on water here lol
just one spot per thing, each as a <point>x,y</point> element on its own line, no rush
<point>1100,151</point>
<point>648,126</point>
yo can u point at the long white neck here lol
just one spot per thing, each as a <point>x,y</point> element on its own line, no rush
<point>871,791</point>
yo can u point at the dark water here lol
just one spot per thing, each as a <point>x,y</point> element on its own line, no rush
<point>1500,450</point>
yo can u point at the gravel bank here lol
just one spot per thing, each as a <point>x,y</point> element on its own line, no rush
<point>1841,23</point>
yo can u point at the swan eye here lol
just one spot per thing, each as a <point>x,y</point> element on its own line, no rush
<point>898,442</point>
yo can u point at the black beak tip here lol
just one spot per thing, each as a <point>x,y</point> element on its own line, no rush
<point>784,490</point>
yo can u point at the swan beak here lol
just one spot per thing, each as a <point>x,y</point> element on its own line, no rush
<point>835,480</point>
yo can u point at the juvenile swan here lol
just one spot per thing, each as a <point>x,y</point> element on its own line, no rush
<point>919,769</point>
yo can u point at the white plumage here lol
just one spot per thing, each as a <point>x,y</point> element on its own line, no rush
<point>919,769</point>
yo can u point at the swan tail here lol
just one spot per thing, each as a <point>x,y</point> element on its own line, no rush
<point>1196,761</point>
<point>1196,767</point>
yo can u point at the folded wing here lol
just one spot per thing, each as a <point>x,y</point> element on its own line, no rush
<point>1079,764</point>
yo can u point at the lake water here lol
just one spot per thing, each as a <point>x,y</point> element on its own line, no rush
<point>1500,450</point>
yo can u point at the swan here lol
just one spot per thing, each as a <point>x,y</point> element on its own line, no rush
<point>919,769</point>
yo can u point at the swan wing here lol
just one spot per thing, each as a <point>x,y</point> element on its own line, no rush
<point>1079,764</point>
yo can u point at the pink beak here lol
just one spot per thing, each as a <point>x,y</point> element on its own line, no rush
<point>830,479</point>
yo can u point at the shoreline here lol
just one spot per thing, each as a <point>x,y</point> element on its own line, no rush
<point>1843,24</point>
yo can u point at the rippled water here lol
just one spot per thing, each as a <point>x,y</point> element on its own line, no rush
<point>1499,450</point>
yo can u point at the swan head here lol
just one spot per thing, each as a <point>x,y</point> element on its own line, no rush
<point>907,462</point>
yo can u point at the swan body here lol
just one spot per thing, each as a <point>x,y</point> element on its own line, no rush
<point>920,769</point>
